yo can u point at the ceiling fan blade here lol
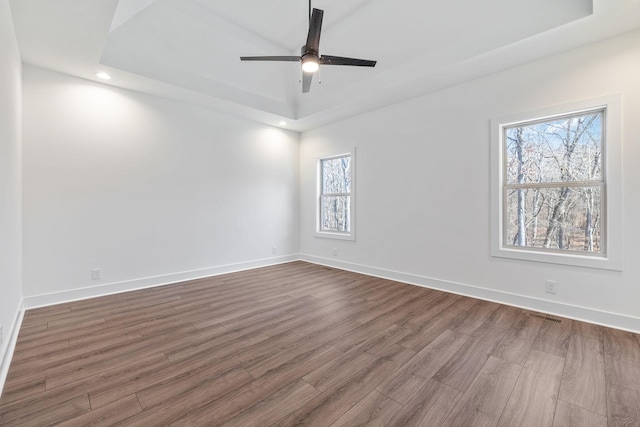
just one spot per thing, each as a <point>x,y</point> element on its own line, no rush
<point>270,58</point>
<point>315,26</point>
<point>339,60</point>
<point>306,82</point>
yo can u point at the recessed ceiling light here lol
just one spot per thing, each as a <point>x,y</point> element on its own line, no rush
<point>103,76</point>
<point>283,123</point>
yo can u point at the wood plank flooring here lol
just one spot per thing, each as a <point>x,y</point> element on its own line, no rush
<point>300,344</point>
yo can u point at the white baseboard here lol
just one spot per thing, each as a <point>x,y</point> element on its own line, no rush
<point>148,282</point>
<point>585,314</point>
<point>9,346</point>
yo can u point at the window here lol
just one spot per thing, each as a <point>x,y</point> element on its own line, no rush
<point>335,200</point>
<point>554,182</point>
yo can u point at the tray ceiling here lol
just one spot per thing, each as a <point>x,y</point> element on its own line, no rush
<point>189,50</point>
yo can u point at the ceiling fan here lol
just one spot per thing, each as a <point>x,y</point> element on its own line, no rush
<point>310,53</point>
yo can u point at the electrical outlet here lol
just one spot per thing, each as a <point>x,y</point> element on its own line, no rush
<point>96,274</point>
<point>274,250</point>
<point>335,251</point>
<point>550,286</point>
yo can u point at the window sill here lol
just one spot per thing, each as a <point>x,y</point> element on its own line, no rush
<point>336,236</point>
<point>570,259</point>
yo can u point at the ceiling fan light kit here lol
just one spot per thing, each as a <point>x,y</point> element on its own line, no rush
<point>310,63</point>
<point>310,57</point>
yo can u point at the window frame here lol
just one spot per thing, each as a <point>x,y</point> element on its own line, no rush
<point>319,195</point>
<point>611,223</point>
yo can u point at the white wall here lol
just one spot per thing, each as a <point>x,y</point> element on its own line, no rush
<point>10,229</point>
<point>422,203</point>
<point>149,190</point>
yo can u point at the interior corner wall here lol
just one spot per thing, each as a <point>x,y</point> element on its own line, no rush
<point>148,190</point>
<point>423,187</point>
<point>10,192</point>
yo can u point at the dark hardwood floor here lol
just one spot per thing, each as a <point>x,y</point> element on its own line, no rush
<point>300,344</point>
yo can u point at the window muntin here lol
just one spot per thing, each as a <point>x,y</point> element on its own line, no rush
<point>335,198</point>
<point>553,184</point>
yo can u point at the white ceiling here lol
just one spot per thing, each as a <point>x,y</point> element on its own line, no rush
<point>189,50</point>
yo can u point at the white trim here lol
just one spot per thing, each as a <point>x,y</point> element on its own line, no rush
<point>584,314</point>
<point>613,182</point>
<point>351,235</point>
<point>9,347</point>
<point>148,282</point>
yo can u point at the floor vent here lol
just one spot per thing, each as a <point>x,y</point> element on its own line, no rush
<point>543,317</point>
